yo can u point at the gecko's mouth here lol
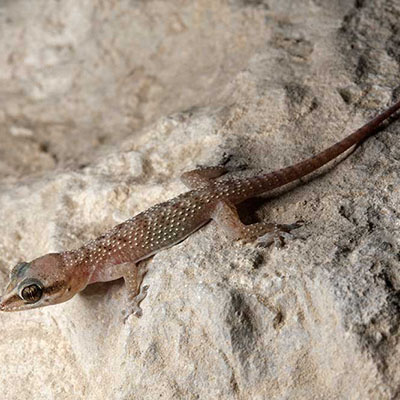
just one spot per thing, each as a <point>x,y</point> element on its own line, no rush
<point>10,303</point>
<point>3,304</point>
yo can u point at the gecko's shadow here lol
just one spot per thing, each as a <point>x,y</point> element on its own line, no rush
<point>94,291</point>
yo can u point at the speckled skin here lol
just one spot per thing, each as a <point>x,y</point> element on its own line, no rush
<point>54,278</point>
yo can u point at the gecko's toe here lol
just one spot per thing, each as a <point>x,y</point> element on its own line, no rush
<point>226,157</point>
<point>136,311</point>
<point>279,235</point>
<point>134,304</point>
<point>233,168</point>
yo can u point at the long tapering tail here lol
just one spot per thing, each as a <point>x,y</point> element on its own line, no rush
<point>266,182</point>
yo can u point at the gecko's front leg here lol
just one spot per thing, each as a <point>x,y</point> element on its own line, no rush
<point>133,274</point>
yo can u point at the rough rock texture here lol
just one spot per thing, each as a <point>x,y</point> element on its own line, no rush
<point>105,103</point>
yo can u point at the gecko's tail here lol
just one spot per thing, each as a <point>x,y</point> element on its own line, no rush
<point>266,182</point>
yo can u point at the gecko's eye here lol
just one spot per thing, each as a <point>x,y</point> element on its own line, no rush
<point>32,293</point>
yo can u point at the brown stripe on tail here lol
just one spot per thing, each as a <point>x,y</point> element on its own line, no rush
<point>266,182</point>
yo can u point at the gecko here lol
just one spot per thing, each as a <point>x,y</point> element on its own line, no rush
<point>122,251</point>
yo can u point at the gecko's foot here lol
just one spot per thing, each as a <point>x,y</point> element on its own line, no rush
<point>226,159</point>
<point>278,235</point>
<point>133,307</point>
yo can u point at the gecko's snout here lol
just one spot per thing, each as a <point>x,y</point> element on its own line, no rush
<point>3,303</point>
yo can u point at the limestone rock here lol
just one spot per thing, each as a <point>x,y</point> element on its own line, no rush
<point>104,104</point>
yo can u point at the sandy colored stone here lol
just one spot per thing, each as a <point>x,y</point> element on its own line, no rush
<point>104,104</point>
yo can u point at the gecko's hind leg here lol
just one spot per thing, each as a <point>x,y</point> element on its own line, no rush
<point>264,233</point>
<point>133,276</point>
<point>202,177</point>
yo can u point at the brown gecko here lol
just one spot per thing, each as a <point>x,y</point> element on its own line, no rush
<point>56,277</point>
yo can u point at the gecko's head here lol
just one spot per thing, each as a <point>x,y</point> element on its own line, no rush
<point>41,282</point>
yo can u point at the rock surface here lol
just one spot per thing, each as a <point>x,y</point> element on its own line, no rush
<point>104,104</point>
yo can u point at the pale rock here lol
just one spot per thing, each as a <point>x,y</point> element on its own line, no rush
<point>108,102</point>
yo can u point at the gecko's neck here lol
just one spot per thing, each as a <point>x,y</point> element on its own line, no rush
<point>78,266</point>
